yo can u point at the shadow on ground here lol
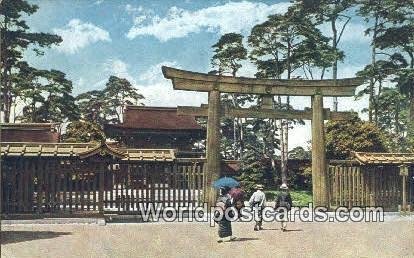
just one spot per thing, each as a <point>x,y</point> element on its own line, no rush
<point>242,239</point>
<point>287,230</point>
<point>8,237</point>
<point>292,230</point>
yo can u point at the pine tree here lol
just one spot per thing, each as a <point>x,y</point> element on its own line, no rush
<point>16,37</point>
<point>282,45</point>
<point>229,52</point>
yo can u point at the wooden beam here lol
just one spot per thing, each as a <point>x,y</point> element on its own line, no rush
<point>266,102</point>
<point>171,73</point>
<point>202,86</point>
<point>319,168</point>
<point>213,145</point>
<point>193,111</point>
<point>265,113</point>
<point>185,80</point>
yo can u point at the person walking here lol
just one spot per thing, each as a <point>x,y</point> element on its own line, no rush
<point>224,225</point>
<point>283,204</point>
<point>238,199</point>
<point>257,202</point>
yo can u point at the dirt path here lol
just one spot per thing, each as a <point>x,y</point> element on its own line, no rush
<point>380,239</point>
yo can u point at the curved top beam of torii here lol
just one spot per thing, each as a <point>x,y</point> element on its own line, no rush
<point>192,81</point>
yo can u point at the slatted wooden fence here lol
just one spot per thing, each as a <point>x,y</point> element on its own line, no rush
<point>53,185</point>
<point>166,184</point>
<point>353,185</point>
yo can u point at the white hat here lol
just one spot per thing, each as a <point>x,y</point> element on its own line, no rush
<point>259,187</point>
<point>284,186</point>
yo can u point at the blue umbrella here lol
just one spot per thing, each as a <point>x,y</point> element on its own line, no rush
<point>226,182</point>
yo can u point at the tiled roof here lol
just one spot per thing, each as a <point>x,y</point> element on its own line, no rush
<point>45,149</point>
<point>33,126</point>
<point>163,118</point>
<point>384,158</point>
<point>82,150</point>
<point>150,154</point>
<point>29,132</point>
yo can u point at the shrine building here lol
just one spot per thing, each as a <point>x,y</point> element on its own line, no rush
<point>156,128</point>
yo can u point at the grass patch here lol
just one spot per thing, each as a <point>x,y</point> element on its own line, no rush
<point>299,197</point>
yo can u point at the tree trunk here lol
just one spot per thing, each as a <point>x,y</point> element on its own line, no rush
<point>372,82</point>
<point>285,124</point>
<point>376,101</point>
<point>285,146</point>
<point>282,142</point>
<point>6,107</point>
<point>233,96</point>
<point>33,112</point>
<point>234,139</point>
<point>335,63</point>
<point>411,109</point>
<point>396,124</point>
<point>241,145</point>
<point>411,114</point>
<point>7,98</point>
<point>5,78</point>
<point>274,126</point>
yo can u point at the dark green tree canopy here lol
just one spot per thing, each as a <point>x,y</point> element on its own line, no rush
<point>342,137</point>
<point>106,106</point>
<point>228,53</point>
<point>46,95</point>
<point>287,42</point>
<point>16,37</point>
<point>83,131</point>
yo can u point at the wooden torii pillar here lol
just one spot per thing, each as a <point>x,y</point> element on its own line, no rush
<point>214,85</point>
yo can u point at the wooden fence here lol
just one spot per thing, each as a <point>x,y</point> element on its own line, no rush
<point>165,184</point>
<point>69,186</point>
<point>354,185</point>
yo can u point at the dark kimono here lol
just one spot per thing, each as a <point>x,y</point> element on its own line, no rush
<point>283,200</point>
<point>224,225</point>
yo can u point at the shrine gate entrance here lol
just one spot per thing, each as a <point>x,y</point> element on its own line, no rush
<point>266,88</point>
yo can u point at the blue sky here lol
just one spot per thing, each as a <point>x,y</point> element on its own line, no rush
<point>132,39</point>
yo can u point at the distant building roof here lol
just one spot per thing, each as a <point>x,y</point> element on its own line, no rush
<point>384,158</point>
<point>29,132</point>
<point>157,118</point>
<point>83,150</point>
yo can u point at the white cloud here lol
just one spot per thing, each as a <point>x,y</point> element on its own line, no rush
<point>153,74</point>
<point>81,82</point>
<point>77,35</point>
<point>162,94</point>
<point>119,68</point>
<point>132,10</point>
<point>159,91</point>
<point>230,17</point>
<point>113,66</point>
<point>98,2</point>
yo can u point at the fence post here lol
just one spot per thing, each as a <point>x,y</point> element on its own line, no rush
<point>404,174</point>
<point>101,186</point>
<point>2,186</point>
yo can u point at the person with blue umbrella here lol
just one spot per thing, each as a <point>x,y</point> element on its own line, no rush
<point>224,202</point>
<point>228,182</point>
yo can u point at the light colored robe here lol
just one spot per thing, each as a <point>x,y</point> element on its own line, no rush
<point>258,199</point>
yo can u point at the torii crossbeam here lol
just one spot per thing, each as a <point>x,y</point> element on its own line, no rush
<point>266,88</point>
<point>264,113</point>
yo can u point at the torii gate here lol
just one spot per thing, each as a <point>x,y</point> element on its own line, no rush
<point>266,88</point>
